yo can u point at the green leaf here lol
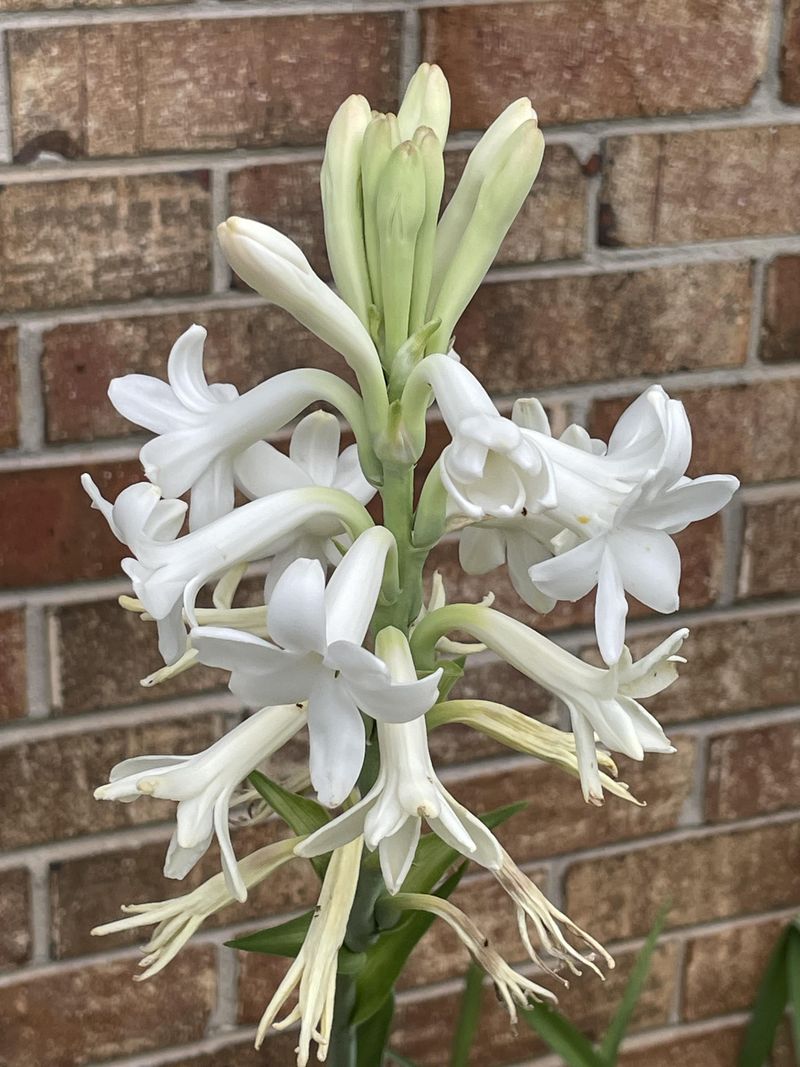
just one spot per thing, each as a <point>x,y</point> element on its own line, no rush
<point>387,957</point>
<point>371,1036</point>
<point>302,815</point>
<point>768,1007</point>
<point>400,1061</point>
<point>285,939</point>
<point>468,1015</point>
<point>793,975</point>
<point>562,1037</point>
<point>633,990</point>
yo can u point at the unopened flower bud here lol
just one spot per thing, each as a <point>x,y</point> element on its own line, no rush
<point>430,148</point>
<point>426,103</point>
<point>380,137</point>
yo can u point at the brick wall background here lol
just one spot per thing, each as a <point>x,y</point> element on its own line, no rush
<point>662,239</point>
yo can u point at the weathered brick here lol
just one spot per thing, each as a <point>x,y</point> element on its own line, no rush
<point>753,772</point>
<point>49,783</point>
<point>621,61</point>
<point>733,428</point>
<point>675,188</point>
<point>770,564</point>
<point>735,666</point>
<point>220,83</point>
<point>78,1015</point>
<point>519,336</point>
<point>722,970</point>
<point>61,539</point>
<point>558,819</point>
<point>715,1048</point>
<point>9,414</point>
<point>277,1051</point>
<point>15,937</point>
<point>712,877</point>
<point>12,655</point>
<point>780,330</point>
<point>790,58</point>
<point>424,1028</point>
<point>89,240</point>
<point>86,635</point>
<point>244,346</point>
<point>63,5</point>
<point>90,890</point>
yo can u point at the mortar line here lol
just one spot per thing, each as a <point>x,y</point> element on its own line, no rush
<point>6,148</point>
<point>675,1013</point>
<point>40,911</point>
<point>693,811</point>
<point>771,82</point>
<point>757,308</point>
<point>224,1015</point>
<point>30,401</point>
<point>733,545</point>
<point>410,47</point>
<point>37,662</point>
<point>221,274</point>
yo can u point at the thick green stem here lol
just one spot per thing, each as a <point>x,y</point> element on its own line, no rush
<point>343,1049</point>
<point>398,516</point>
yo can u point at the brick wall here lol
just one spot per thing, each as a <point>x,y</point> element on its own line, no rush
<point>662,239</point>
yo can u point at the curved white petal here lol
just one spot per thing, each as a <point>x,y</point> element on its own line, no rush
<point>352,592</point>
<point>297,607</point>
<point>212,493</point>
<point>186,374</point>
<point>571,575</point>
<point>180,859</point>
<point>481,549</point>
<point>346,827</point>
<point>336,741</point>
<point>262,470</point>
<point>261,674</point>
<point>694,500</point>
<point>649,565</point>
<point>148,402</point>
<point>230,866</point>
<point>397,853</point>
<point>524,552</point>
<point>350,477</point>
<point>172,635</point>
<point>610,610</point>
<point>315,446</point>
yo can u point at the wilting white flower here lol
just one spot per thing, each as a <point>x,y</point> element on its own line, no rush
<point>406,791</point>
<point>166,571</point>
<point>490,467</point>
<point>313,459</point>
<point>203,785</point>
<point>621,509</point>
<point>177,919</point>
<point>315,966</point>
<point>601,702</point>
<point>316,654</point>
<point>513,988</point>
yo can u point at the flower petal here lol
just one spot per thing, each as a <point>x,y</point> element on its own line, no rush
<point>397,853</point>
<point>481,549</point>
<point>610,609</point>
<point>180,860</point>
<point>571,575</point>
<point>261,674</point>
<point>369,684</point>
<point>336,740</point>
<point>694,500</point>
<point>352,592</point>
<point>649,565</point>
<point>212,493</point>
<point>186,374</point>
<point>296,613</point>
<point>148,402</point>
<point>350,477</point>
<point>524,551</point>
<point>262,470</point>
<point>315,446</point>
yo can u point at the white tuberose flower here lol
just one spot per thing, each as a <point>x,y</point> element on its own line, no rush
<point>203,785</point>
<point>406,791</point>
<point>624,543</point>
<point>316,654</point>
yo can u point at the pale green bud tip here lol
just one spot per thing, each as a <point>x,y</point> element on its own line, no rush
<point>426,102</point>
<point>352,117</point>
<point>401,193</point>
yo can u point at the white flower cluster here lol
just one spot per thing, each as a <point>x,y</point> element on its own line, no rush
<point>341,644</point>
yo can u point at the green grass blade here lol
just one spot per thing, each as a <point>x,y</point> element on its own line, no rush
<point>372,1036</point>
<point>468,1015</point>
<point>562,1037</point>
<point>633,990</point>
<point>768,1007</point>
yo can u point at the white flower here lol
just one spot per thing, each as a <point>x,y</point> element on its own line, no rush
<point>167,570</point>
<point>203,785</point>
<point>490,467</point>
<point>622,539</point>
<point>316,654</point>
<point>315,967</point>
<point>406,791</point>
<point>177,919</point>
<point>313,459</point>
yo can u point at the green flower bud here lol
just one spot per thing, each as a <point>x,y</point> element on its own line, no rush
<point>380,137</point>
<point>433,161</point>
<point>426,103</point>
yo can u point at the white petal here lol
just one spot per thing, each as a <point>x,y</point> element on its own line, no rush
<point>397,853</point>
<point>524,551</point>
<point>487,848</point>
<point>212,493</point>
<point>648,729</point>
<point>172,635</point>
<point>148,402</point>
<point>338,831</point>
<point>165,520</point>
<point>352,592</point>
<point>230,867</point>
<point>315,446</point>
<point>610,610</point>
<point>336,741</point>
<point>367,680</point>
<point>649,565</point>
<point>571,575</point>
<point>674,510</point>
<point>261,674</point>
<point>350,477</point>
<point>481,549</point>
<point>586,752</point>
<point>297,607</point>
<point>656,670</point>
<point>185,371</point>
<point>529,413</point>
<point>262,470</point>
<point>179,860</point>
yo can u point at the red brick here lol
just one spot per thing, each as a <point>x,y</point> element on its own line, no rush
<point>716,1048</point>
<point>770,564</point>
<point>77,1015</point>
<point>790,59</point>
<point>780,331</point>
<point>219,83</point>
<point>723,969</point>
<point>15,938</point>
<point>630,58</point>
<point>424,1028</point>
<point>277,1051</point>
<point>520,336</point>
<point>12,653</point>
<point>90,240</point>
<point>734,428</point>
<point>9,414</point>
<point>61,539</point>
<point>735,666</point>
<point>753,772</point>
<point>87,634</point>
<point>704,878</point>
<point>90,890</point>
<point>675,188</point>
<point>244,346</point>
<point>49,783</point>
<point>559,820</point>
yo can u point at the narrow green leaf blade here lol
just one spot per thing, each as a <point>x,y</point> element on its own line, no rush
<point>768,1007</point>
<point>285,939</point>
<point>372,1035</point>
<point>398,1060</point>
<point>468,1015</point>
<point>562,1037</point>
<point>302,815</point>
<point>633,990</point>
<point>793,975</point>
